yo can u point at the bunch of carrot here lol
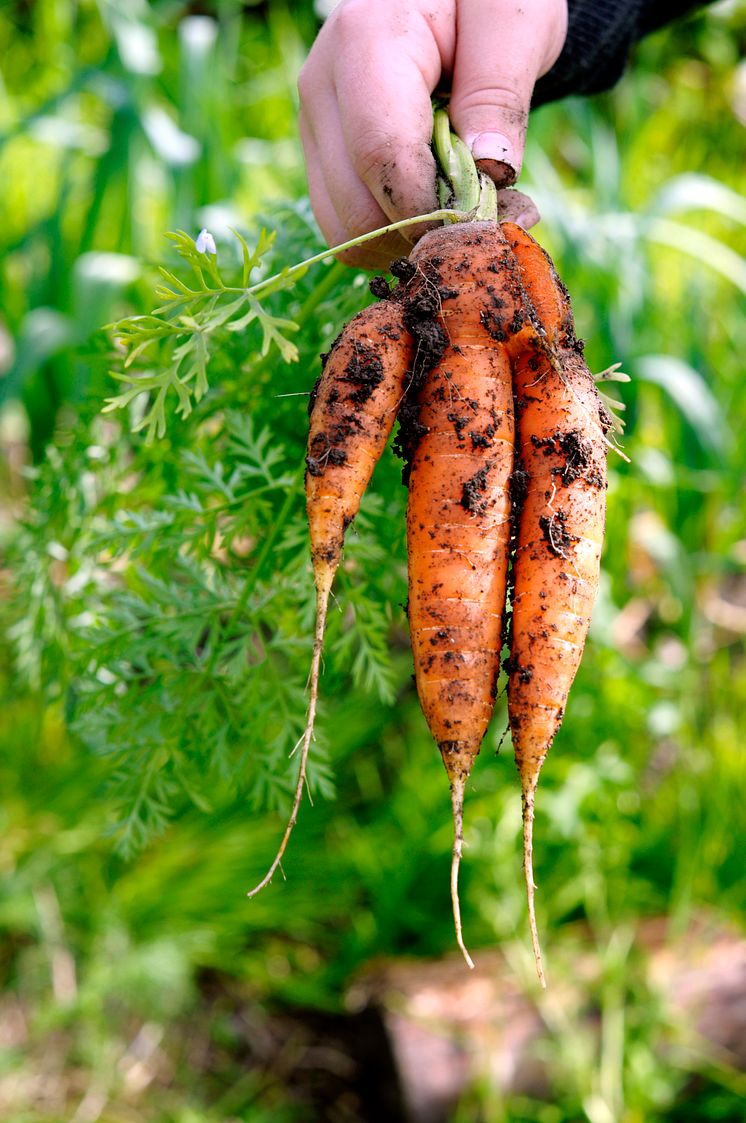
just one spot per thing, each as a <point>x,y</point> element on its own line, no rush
<point>504,439</point>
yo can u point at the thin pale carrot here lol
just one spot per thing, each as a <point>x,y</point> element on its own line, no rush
<point>352,410</point>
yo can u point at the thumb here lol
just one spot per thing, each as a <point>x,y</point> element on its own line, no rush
<point>501,49</point>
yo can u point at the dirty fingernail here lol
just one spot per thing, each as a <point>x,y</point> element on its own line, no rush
<point>528,218</point>
<point>494,147</point>
<point>501,174</point>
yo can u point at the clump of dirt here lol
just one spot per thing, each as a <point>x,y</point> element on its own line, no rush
<point>364,370</point>
<point>519,481</point>
<point>323,453</point>
<point>380,288</point>
<point>459,424</point>
<point>577,451</point>
<point>493,324</point>
<point>474,488</point>
<point>555,533</point>
<point>430,343</point>
<point>512,665</point>
<point>519,319</point>
<point>605,418</point>
<point>403,269</point>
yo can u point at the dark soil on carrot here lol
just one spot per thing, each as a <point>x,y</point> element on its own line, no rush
<point>364,370</point>
<point>474,488</point>
<point>555,533</point>
<point>431,341</point>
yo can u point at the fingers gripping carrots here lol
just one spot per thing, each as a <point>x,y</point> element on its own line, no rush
<point>504,438</point>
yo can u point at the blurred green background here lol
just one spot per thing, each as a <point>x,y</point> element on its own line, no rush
<point>156,605</point>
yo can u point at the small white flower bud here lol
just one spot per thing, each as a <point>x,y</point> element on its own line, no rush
<point>205,242</point>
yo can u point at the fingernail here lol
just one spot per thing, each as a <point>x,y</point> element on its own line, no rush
<point>491,146</point>
<point>528,218</point>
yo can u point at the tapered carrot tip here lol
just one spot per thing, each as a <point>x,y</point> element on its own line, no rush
<point>324,576</point>
<point>458,784</point>
<point>528,870</point>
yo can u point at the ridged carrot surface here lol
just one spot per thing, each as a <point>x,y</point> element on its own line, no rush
<point>458,513</point>
<point>562,457</point>
<point>548,299</point>
<point>353,409</point>
<point>503,435</point>
<point>560,503</point>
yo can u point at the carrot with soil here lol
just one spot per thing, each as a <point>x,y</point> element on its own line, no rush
<point>559,513</point>
<point>352,410</point>
<point>504,440</point>
<point>458,438</point>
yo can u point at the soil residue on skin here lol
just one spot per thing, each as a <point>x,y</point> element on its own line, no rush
<point>512,666</point>
<point>430,343</point>
<point>474,488</point>
<point>519,481</point>
<point>365,371</point>
<point>459,424</point>
<point>322,453</point>
<point>605,419</point>
<point>492,322</point>
<point>577,451</point>
<point>555,533</point>
<point>492,316</point>
<point>315,389</point>
<point>327,448</point>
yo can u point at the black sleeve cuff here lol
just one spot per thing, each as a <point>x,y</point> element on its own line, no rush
<point>600,35</point>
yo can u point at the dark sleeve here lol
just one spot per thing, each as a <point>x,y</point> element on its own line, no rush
<point>600,35</point>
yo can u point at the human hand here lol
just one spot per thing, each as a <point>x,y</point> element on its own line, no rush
<point>366,114</point>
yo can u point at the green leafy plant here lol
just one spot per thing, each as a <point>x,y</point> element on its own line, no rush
<point>179,336</point>
<point>113,548</point>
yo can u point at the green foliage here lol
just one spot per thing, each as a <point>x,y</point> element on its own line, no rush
<point>179,347</point>
<point>159,615</point>
<point>116,125</point>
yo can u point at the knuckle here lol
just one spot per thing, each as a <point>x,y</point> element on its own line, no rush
<point>371,151</point>
<point>494,99</point>
<point>357,215</point>
<point>349,16</point>
<point>307,81</point>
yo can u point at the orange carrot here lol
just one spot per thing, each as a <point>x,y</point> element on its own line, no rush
<point>548,302</point>
<point>559,498</point>
<point>504,436</point>
<point>458,516</point>
<point>352,410</point>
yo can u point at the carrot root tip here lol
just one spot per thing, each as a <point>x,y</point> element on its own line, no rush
<point>457,804</point>
<point>528,870</point>
<point>323,588</point>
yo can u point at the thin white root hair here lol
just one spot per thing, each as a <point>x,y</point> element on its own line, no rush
<point>528,870</point>
<point>457,804</point>
<point>322,602</point>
